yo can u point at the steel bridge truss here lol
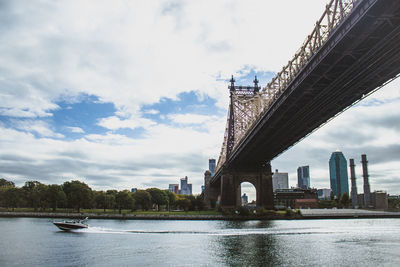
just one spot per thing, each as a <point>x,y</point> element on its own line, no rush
<point>248,103</point>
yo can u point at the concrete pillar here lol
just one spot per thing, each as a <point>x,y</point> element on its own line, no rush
<point>228,191</point>
<point>206,192</point>
<point>265,196</point>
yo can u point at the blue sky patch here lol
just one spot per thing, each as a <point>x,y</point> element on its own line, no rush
<point>79,116</point>
<point>246,76</point>
<point>83,114</point>
<point>187,103</point>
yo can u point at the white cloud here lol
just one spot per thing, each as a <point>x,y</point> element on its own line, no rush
<point>115,123</point>
<point>190,118</point>
<point>76,129</point>
<point>163,156</point>
<point>134,53</point>
<point>36,126</point>
<point>152,112</point>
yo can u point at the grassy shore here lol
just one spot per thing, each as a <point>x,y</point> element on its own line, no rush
<point>157,215</point>
<point>112,211</point>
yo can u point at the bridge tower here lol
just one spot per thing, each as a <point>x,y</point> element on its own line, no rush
<point>245,104</point>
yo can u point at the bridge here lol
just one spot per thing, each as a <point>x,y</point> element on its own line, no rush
<point>353,51</point>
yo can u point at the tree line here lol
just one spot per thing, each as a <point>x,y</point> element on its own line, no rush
<point>78,195</point>
<point>341,201</point>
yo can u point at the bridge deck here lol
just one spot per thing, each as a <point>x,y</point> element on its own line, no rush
<point>361,54</point>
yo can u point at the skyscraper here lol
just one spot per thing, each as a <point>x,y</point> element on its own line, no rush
<point>174,188</point>
<point>245,199</point>
<point>186,189</point>
<point>338,173</point>
<point>280,180</point>
<point>303,177</point>
<point>211,166</point>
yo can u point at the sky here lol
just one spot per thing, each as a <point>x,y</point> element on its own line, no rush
<point>122,94</point>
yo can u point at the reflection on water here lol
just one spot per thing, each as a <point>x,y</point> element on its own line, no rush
<point>241,250</point>
<point>37,242</point>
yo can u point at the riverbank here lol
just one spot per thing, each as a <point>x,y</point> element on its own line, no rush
<point>304,214</point>
<point>162,216</point>
<point>346,214</point>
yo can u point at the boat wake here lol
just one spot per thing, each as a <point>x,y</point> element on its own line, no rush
<point>219,232</point>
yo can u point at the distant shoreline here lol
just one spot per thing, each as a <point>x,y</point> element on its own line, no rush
<point>315,214</point>
<point>139,216</point>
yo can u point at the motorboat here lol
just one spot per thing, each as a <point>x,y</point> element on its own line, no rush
<point>72,225</point>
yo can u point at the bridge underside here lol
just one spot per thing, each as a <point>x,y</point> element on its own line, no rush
<point>361,54</point>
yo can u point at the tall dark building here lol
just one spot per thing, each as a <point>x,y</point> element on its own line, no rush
<point>354,196</point>
<point>211,166</point>
<point>303,177</point>
<point>338,173</point>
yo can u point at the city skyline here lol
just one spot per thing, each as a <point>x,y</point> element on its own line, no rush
<point>128,95</point>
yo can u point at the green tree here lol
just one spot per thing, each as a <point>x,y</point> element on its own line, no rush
<point>79,194</point>
<point>35,194</point>
<point>192,200</point>
<point>124,200</point>
<point>183,203</point>
<point>345,200</point>
<point>338,203</point>
<point>394,204</point>
<point>4,186</point>
<point>325,203</point>
<point>158,197</point>
<point>142,199</point>
<point>3,195</point>
<point>110,199</point>
<point>171,199</point>
<point>4,182</point>
<point>99,200</point>
<point>12,197</point>
<point>55,196</point>
<point>332,196</point>
<point>199,203</point>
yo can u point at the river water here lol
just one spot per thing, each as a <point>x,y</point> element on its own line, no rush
<point>358,242</point>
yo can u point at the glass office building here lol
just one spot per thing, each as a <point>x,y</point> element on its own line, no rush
<point>303,177</point>
<point>338,173</point>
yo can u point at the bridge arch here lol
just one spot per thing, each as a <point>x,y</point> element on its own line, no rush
<point>248,188</point>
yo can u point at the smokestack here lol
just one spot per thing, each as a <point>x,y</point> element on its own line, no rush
<point>354,197</point>
<point>367,191</point>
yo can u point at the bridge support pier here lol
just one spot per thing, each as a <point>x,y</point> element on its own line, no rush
<point>210,193</point>
<point>265,196</point>
<point>261,179</point>
<point>228,191</point>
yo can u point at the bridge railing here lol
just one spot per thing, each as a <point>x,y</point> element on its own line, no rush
<point>334,13</point>
<point>248,110</point>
